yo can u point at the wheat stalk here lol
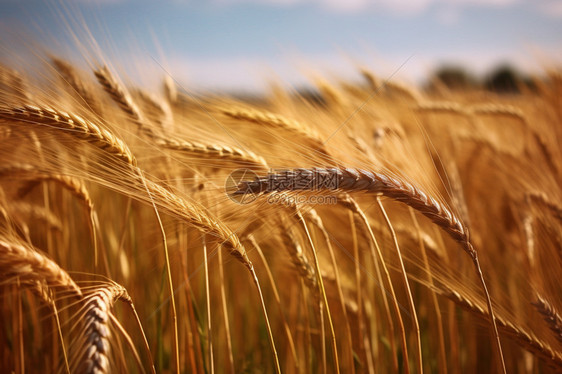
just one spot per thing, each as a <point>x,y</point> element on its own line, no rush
<point>250,238</point>
<point>316,220</point>
<point>349,203</point>
<point>406,284</point>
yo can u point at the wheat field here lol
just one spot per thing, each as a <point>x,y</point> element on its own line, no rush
<point>372,227</point>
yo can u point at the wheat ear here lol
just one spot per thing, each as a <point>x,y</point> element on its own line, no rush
<point>498,109</point>
<point>214,151</point>
<point>296,254</point>
<point>22,212</point>
<point>196,215</point>
<point>277,121</point>
<point>527,339</point>
<point>120,95</point>
<point>550,315</point>
<point>355,180</point>
<point>23,261</point>
<point>72,125</point>
<point>69,74</point>
<point>542,198</point>
<point>73,185</point>
<point>93,346</point>
<point>157,110</point>
<point>443,107</point>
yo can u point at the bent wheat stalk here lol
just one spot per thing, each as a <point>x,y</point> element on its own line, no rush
<point>355,180</point>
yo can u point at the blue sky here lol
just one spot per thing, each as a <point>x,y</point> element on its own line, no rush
<point>239,44</point>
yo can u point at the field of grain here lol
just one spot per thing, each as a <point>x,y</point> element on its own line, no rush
<point>371,227</point>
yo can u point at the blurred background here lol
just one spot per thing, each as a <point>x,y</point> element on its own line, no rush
<point>242,45</point>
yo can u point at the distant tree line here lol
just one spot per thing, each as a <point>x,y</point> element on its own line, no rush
<point>504,79</point>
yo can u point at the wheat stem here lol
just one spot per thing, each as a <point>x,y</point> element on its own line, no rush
<point>170,282</point>
<point>208,301</point>
<point>442,355</point>
<point>322,291</point>
<point>406,285</point>
<point>252,240</point>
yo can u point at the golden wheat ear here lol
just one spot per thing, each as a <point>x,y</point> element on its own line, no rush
<point>21,261</point>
